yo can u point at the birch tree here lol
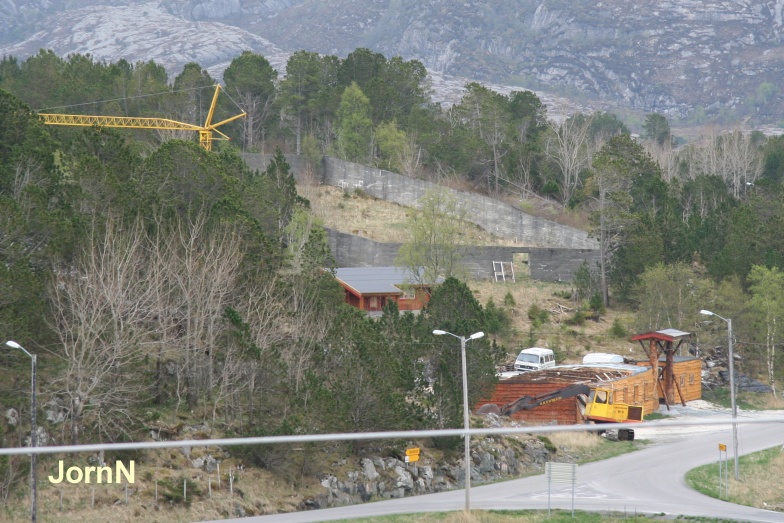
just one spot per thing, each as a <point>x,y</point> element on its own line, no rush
<point>100,308</point>
<point>767,290</point>
<point>435,247</point>
<point>569,146</point>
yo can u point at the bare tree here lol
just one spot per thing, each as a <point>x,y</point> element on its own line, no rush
<point>569,146</point>
<point>100,307</point>
<point>203,264</point>
<point>666,157</point>
<point>733,156</point>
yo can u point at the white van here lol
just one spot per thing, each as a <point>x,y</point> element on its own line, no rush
<point>534,358</point>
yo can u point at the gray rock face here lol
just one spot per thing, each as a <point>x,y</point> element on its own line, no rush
<point>669,57</point>
<point>369,469</point>
<point>216,9</point>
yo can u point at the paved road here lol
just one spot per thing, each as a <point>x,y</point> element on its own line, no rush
<point>647,481</point>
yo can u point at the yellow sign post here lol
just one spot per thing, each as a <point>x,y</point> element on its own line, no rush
<point>412,455</point>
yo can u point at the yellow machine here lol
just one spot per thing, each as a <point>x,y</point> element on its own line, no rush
<point>205,132</point>
<point>600,406</point>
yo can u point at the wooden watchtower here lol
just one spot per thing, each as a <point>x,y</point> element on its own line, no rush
<point>664,343</point>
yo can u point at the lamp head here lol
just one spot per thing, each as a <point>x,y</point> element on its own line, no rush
<point>706,313</point>
<point>13,344</point>
<point>476,335</point>
<point>438,332</point>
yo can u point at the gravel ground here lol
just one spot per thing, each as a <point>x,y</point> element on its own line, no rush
<point>695,410</point>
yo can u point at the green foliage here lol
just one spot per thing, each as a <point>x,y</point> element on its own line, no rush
<point>548,445</point>
<point>497,319</point>
<point>657,129</point>
<point>250,81</point>
<point>618,330</point>
<point>538,315</point>
<point>586,283</point>
<point>453,308</point>
<point>596,305</point>
<point>509,300</point>
<point>434,250</point>
<point>391,141</point>
<point>353,126</point>
<point>670,296</point>
<point>578,318</point>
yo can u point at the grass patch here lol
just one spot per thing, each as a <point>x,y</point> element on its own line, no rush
<point>765,491</point>
<point>656,415</point>
<point>590,446</point>
<point>745,400</point>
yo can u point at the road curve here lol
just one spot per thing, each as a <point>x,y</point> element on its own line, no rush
<point>647,481</point>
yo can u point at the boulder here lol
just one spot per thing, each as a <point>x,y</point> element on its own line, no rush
<point>12,417</point>
<point>369,469</point>
<point>403,478</point>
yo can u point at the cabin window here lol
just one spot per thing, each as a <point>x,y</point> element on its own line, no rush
<point>691,379</point>
<point>636,393</point>
<point>683,380</point>
<point>645,391</point>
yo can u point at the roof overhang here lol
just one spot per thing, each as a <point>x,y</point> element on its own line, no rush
<point>670,335</point>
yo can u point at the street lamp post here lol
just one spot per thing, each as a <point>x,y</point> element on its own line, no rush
<point>732,387</point>
<point>466,422</point>
<point>33,433</point>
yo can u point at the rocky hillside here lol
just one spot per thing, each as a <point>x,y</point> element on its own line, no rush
<point>686,58</point>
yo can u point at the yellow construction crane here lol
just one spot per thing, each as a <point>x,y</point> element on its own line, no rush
<point>205,132</point>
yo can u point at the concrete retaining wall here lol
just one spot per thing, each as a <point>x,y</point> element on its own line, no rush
<point>492,215</point>
<point>555,251</point>
<point>543,263</point>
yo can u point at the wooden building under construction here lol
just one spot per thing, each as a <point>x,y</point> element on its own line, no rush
<point>663,378</point>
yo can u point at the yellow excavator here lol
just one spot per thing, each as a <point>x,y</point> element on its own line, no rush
<point>600,406</point>
<point>205,131</point>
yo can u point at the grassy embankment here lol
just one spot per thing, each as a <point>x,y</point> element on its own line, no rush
<point>760,482</point>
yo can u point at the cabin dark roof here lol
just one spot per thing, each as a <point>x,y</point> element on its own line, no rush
<point>375,280</point>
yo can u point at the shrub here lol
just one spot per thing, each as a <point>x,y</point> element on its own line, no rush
<point>552,449</point>
<point>538,315</point>
<point>497,320</point>
<point>509,300</point>
<point>618,330</point>
<point>577,319</point>
<point>596,304</point>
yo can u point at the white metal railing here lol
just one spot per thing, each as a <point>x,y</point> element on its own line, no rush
<point>412,434</point>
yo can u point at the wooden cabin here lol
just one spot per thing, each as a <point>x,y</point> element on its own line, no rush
<point>371,288</point>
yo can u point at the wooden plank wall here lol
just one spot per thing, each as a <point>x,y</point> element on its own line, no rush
<point>688,376</point>
<point>564,412</point>
<point>567,411</point>
<point>637,389</point>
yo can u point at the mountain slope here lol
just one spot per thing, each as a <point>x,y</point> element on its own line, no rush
<point>665,56</point>
<point>685,58</point>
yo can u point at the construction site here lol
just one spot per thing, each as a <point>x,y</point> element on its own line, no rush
<point>602,392</point>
